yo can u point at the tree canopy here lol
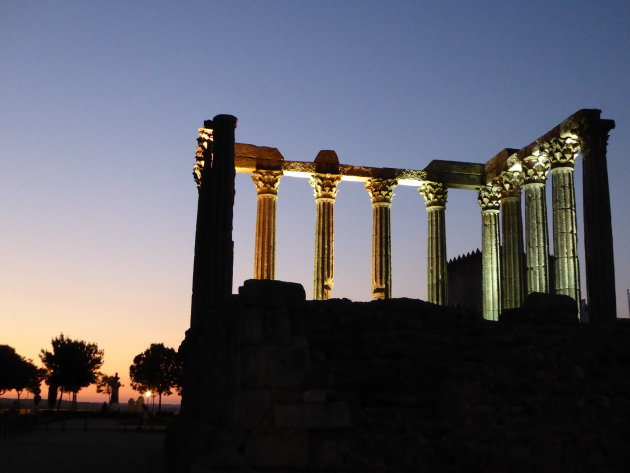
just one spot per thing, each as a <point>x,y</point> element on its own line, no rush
<point>158,369</point>
<point>16,372</point>
<point>71,365</point>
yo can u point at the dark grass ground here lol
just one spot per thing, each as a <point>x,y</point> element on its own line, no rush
<point>105,446</point>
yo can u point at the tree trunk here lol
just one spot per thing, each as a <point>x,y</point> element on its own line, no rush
<point>159,403</point>
<point>60,398</point>
<point>18,407</point>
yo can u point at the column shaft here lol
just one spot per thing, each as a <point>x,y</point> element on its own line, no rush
<point>491,284</point>
<point>265,246</point>
<point>567,275</point>
<point>537,238</point>
<point>512,252</point>
<point>437,279</point>
<point>381,251</point>
<point>324,249</point>
<point>598,239</point>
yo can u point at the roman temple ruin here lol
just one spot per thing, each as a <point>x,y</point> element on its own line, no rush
<point>515,251</point>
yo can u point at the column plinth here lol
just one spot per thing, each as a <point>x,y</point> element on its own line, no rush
<point>435,196</point>
<point>266,183</point>
<point>488,200</point>
<point>536,229</point>
<point>325,190</point>
<point>381,193</point>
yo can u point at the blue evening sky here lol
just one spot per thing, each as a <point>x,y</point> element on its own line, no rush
<point>101,101</point>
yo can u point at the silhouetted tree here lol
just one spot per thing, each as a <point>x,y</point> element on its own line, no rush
<point>71,366</point>
<point>158,369</point>
<point>16,372</point>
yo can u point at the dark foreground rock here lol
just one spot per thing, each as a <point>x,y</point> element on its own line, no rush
<point>398,386</point>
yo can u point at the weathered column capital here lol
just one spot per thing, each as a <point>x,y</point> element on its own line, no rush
<point>266,181</point>
<point>325,186</point>
<point>536,167</point>
<point>563,151</point>
<point>204,151</point>
<point>434,193</point>
<point>381,190</point>
<point>510,184</point>
<point>489,197</point>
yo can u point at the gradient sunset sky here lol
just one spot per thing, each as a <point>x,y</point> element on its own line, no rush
<point>101,102</point>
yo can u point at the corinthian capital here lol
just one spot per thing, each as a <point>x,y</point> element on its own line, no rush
<point>266,182</point>
<point>381,190</point>
<point>536,166</point>
<point>325,185</point>
<point>563,151</point>
<point>593,136</point>
<point>203,154</point>
<point>434,193</point>
<point>510,183</point>
<point>489,197</point>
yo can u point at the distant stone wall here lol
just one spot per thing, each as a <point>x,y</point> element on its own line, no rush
<point>277,384</point>
<point>464,281</point>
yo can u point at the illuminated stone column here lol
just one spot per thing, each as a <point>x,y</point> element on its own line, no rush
<point>325,189</point>
<point>598,240</point>
<point>266,183</point>
<point>488,200</point>
<point>381,192</point>
<point>563,153</point>
<point>435,194</point>
<point>512,233</point>
<point>535,169</point>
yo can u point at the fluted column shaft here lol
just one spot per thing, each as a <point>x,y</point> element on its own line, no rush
<point>266,183</point>
<point>325,189</point>
<point>567,274</point>
<point>598,239</point>
<point>214,248</point>
<point>490,263</point>
<point>536,168</point>
<point>437,276</point>
<point>512,252</point>
<point>381,193</point>
<point>435,196</point>
<point>536,238</point>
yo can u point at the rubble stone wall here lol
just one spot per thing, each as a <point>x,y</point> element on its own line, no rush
<point>274,383</point>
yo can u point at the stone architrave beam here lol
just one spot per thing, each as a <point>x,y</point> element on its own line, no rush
<point>266,182</point>
<point>381,193</point>
<point>488,199</point>
<point>435,195</point>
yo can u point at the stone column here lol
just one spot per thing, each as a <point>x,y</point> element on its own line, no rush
<point>488,200</point>
<point>214,249</point>
<point>381,192</point>
<point>535,169</point>
<point>325,189</point>
<point>266,183</point>
<point>563,153</point>
<point>598,240</point>
<point>435,195</point>
<point>512,233</point>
